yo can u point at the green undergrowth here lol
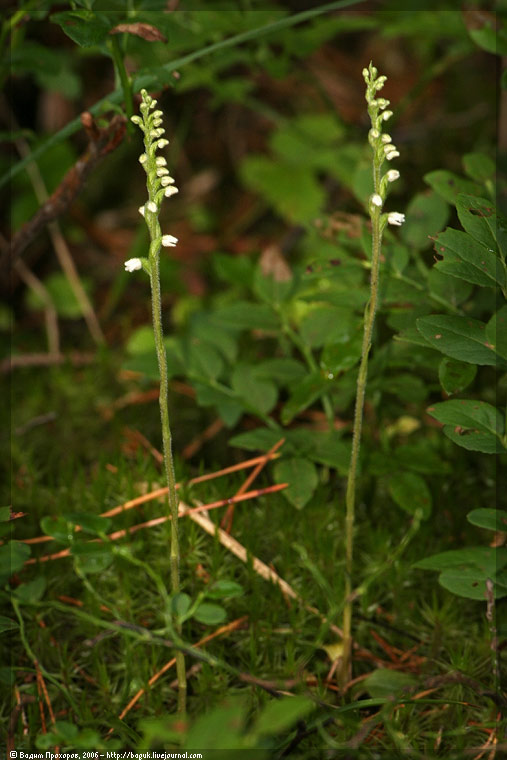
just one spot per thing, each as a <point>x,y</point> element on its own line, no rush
<point>78,463</point>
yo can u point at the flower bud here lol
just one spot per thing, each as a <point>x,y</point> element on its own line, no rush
<point>387,115</point>
<point>392,175</point>
<point>171,190</point>
<point>169,241</point>
<point>395,218</point>
<point>151,207</point>
<point>143,158</point>
<point>376,200</point>
<point>132,264</point>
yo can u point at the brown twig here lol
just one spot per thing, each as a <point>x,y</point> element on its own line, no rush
<point>101,142</point>
<point>75,358</point>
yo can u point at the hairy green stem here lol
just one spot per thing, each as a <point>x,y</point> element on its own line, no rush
<point>350,499</point>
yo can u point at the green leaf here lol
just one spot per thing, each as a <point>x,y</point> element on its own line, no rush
<point>219,729</point>
<point>470,583</point>
<point>478,218</point>
<point>281,371</point>
<point>261,439</point>
<point>478,166</point>
<point>496,331</point>
<point>5,514</point>
<point>491,38</point>
<point>13,556</point>
<point>61,294</point>
<point>180,604</point>
<point>484,422</point>
<point>326,448</point>
<point>455,376</point>
<point>474,440</point>
<point>387,683</point>
<point>326,325</point>
<point>210,614</point>
<point>6,624</point>
<point>93,524</point>
<point>223,340</point>
<point>451,289</point>
<point>31,592</point>
<point>411,493</point>
<point>293,191</point>
<point>58,528</point>
<point>280,714</point>
<point>224,590</point>
<point>305,393</point>
<point>238,270</point>
<point>490,519</point>
<point>92,557</point>
<point>85,27</point>
<point>461,338</point>
<point>202,360</point>
<point>340,357</point>
<point>467,260</point>
<point>141,341</point>
<point>257,393</point>
<point>449,185</point>
<point>426,215</point>
<point>484,558</point>
<point>246,315</point>
<point>301,475</point>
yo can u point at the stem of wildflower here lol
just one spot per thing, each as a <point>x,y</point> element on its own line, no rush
<point>167,450</point>
<point>350,499</point>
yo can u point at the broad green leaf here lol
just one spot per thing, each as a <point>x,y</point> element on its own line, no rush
<point>409,388</point>
<point>225,341</point>
<point>467,414</point>
<point>326,325</point>
<point>93,524</point>
<point>224,590</point>
<point>255,392</point>
<point>467,260</point>
<point>496,331</point>
<point>202,360</point>
<point>222,728</point>
<point>449,185</point>
<point>478,218</point>
<point>325,447</point>
<point>84,27</point>
<point>387,683</point>
<point>489,37</point>
<point>141,341</point>
<point>261,439</point>
<point>230,412</point>
<point>245,315</point>
<point>6,624</point>
<point>92,557</point>
<point>460,338</point>
<point>475,440</point>
<point>210,614</point>
<point>61,294</point>
<point>281,371</point>
<point>280,714</point>
<point>13,556</point>
<point>31,592</point>
<point>238,270</point>
<point>426,214</point>
<point>452,289</point>
<point>301,475</point>
<point>58,528</point>
<point>478,166</point>
<point>485,558</point>
<point>5,514</point>
<point>292,190</point>
<point>272,287</point>
<point>340,357</point>
<point>411,493</point>
<point>470,583</point>
<point>305,393</point>
<point>490,519</point>
<point>180,604</point>
<point>455,376</point>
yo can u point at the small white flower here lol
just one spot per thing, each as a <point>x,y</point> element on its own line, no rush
<point>132,264</point>
<point>166,181</point>
<point>387,115</point>
<point>157,114</point>
<point>366,73</point>
<point>392,175</point>
<point>376,199</point>
<point>143,158</point>
<point>169,241</point>
<point>161,171</point>
<point>374,134</point>
<point>160,161</point>
<point>171,190</point>
<point>151,206</point>
<point>395,218</point>
<point>141,210</point>
<point>157,122</point>
<point>386,138</point>
<point>382,103</point>
<point>162,143</point>
<point>136,119</point>
<point>389,148</point>
<point>392,154</point>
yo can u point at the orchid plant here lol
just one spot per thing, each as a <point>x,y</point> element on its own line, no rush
<point>383,150</point>
<point>160,185</point>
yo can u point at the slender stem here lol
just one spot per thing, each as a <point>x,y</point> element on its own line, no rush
<point>350,499</point>
<point>125,80</point>
<point>168,457</point>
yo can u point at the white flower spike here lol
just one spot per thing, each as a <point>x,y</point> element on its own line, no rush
<point>132,264</point>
